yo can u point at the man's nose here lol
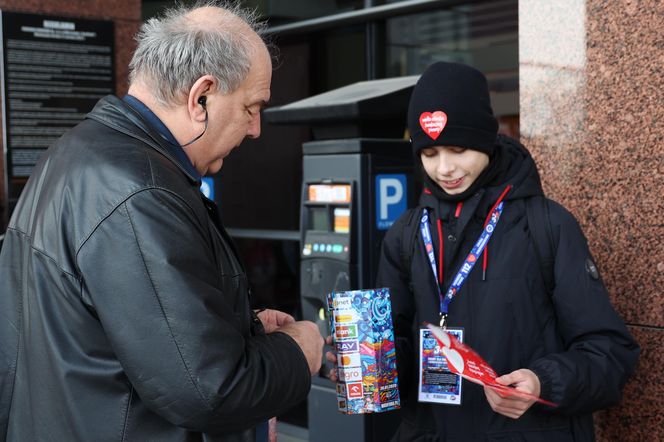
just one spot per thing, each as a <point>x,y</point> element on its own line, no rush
<point>254,130</point>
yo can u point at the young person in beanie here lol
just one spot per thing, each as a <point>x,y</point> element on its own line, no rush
<point>566,345</point>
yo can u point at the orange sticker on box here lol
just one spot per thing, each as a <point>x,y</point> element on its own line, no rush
<point>350,360</point>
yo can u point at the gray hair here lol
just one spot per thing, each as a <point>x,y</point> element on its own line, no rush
<point>174,51</point>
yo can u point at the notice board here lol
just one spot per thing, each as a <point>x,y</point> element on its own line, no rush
<point>54,70</point>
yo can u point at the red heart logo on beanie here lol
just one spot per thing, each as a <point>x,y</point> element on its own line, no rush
<point>433,123</point>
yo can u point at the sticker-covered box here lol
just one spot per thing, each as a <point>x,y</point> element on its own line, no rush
<point>361,325</point>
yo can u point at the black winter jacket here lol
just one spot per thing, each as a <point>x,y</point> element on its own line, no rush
<point>573,340</point>
<point>124,311</point>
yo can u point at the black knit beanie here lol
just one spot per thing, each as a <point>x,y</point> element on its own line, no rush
<point>450,106</point>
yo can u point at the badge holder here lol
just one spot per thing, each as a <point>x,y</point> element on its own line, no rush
<point>437,384</point>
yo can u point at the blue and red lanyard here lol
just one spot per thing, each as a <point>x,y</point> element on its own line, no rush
<point>467,265</point>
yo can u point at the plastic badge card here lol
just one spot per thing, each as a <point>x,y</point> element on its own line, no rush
<point>464,361</point>
<point>361,324</point>
<point>437,384</point>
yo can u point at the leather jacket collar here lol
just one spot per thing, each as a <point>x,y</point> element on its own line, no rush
<point>118,115</point>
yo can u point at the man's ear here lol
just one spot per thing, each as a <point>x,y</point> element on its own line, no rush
<point>198,96</point>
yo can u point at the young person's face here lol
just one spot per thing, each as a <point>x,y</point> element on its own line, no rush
<point>453,168</point>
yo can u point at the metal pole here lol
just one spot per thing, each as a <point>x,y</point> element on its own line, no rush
<point>370,44</point>
<point>362,16</point>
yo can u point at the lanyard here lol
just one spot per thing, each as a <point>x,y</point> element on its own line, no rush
<point>467,265</point>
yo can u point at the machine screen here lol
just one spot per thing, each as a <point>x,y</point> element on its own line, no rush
<point>320,219</point>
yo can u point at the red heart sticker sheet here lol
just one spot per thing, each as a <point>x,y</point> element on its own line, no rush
<point>433,123</point>
<point>464,361</point>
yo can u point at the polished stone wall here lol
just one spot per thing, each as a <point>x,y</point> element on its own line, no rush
<point>592,113</point>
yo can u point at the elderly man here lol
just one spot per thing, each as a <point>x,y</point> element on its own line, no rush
<point>124,310</point>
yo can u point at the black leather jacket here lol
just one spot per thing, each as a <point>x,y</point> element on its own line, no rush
<point>124,312</point>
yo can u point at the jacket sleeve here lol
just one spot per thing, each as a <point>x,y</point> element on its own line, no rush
<point>150,275</point>
<point>600,354</point>
<point>10,317</point>
<point>392,275</point>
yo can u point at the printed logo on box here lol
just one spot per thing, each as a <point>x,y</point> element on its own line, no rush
<point>348,346</point>
<point>345,303</point>
<point>350,360</point>
<point>355,390</point>
<point>344,316</point>
<point>345,331</point>
<point>350,374</point>
<point>389,393</point>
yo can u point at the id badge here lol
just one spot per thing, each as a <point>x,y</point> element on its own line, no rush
<point>437,383</point>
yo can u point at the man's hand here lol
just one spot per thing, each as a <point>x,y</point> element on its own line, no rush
<point>308,337</point>
<point>514,406</point>
<point>273,319</point>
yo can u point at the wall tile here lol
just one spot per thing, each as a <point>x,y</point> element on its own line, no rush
<point>592,114</point>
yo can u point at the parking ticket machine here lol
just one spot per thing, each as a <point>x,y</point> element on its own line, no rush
<point>352,192</point>
<point>357,180</point>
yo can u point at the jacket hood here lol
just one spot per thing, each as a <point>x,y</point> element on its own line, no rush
<point>516,168</point>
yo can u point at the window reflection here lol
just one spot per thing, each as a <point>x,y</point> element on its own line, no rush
<point>484,35</point>
<point>481,34</point>
<point>282,12</point>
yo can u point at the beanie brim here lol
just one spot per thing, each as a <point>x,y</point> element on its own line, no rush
<point>467,137</point>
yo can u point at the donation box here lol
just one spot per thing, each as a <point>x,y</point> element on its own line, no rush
<point>357,180</point>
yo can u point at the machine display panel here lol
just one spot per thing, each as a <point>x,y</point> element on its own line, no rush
<point>329,193</point>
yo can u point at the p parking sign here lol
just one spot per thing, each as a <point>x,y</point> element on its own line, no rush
<point>391,199</point>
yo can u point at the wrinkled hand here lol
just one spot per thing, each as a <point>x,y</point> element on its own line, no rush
<point>308,337</point>
<point>331,357</point>
<point>273,319</point>
<point>513,406</point>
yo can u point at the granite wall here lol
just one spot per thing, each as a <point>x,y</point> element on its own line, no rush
<point>592,113</point>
